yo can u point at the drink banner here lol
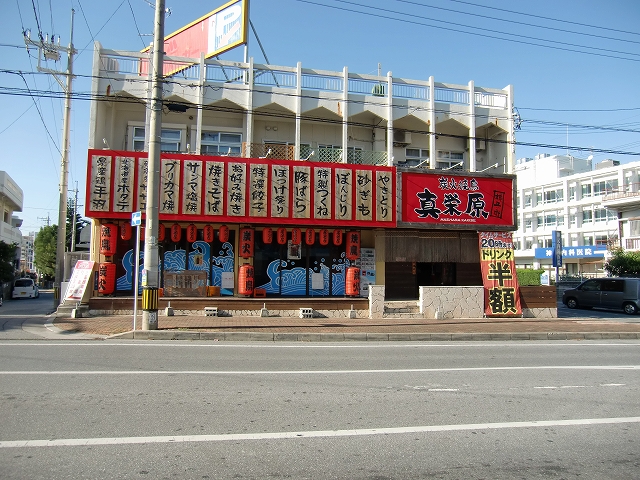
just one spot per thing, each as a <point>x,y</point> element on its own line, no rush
<point>497,261</point>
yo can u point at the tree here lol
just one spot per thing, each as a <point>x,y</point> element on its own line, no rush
<point>623,263</point>
<point>44,250</point>
<point>80,224</point>
<point>7,261</point>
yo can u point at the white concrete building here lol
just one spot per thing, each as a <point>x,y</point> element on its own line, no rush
<point>27,253</point>
<point>593,208</point>
<point>11,198</point>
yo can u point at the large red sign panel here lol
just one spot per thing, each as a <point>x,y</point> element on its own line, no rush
<point>457,200</point>
<point>252,190</point>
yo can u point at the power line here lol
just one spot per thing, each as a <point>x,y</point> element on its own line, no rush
<point>479,34</point>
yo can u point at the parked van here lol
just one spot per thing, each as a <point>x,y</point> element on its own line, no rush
<point>614,293</point>
<point>25,288</point>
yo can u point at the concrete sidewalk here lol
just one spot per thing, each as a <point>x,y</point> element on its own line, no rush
<point>200,327</point>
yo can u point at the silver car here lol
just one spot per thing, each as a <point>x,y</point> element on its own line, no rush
<point>610,292</point>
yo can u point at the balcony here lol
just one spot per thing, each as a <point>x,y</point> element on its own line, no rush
<point>621,200</point>
<point>632,243</point>
<point>329,155</point>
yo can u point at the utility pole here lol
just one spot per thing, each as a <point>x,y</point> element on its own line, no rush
<point>51,51</point>
<point>75,214</point>
<point>47,219</point>
<point>150,274</point>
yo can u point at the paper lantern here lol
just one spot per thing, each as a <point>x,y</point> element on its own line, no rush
<point>310,236</point>
<point>324,236</point>
<point>125,231</point>
<point>352,286</point>
<point>246,242</point>
<point>106,278</point>
<point>209,233</point>
<point>337,237</point>
<point>161,232</point>
<point>353,245</point>
<point>281,234</point>
<point>223,233</point>
<point>267,235</point>
<point>108,239</point>
<point>245,280</point>
<point>176,232</point>
<point>192,233</point>
<point>296,236</point>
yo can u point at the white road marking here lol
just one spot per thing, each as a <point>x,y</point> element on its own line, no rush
<point>311,372</point>
<point>75,442</point>
<point>555,387</point>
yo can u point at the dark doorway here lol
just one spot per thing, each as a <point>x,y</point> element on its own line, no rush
<point>435,274</point>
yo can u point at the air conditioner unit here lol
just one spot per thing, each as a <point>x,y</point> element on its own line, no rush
<point>401,137</point>
<point>480,144</point>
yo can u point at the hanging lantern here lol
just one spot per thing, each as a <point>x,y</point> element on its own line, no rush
<point>337,237</point>
<point>267,235</point>
<point>353,245</point>
<point>161,232</point>
<point>324,236</point>
<point>282,235</point>
<point>246,242</point>
<point>352,285</point>
<point>245,280</point>
<point>142,231</point>
<point>192,233</point>
<point>108,239</point>
<point>125,231</point>
<point>176,232</point>
<point>296,236</point>
<point>208,233</point>
<point>223,233</point>
<point>106,278</point>
<point>310,236</point>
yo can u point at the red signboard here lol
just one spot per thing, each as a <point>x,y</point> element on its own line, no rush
<point>201,188</point>
<point>498,265</point>
<point>456,200</point>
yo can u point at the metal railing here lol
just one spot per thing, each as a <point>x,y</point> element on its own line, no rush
<point>329,155</point>
<point>132,63</point>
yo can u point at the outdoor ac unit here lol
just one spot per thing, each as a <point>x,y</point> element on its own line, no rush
<point>401,137</point>
<point>480,144</point>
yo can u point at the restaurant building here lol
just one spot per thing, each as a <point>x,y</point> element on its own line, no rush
<point>295,182</point>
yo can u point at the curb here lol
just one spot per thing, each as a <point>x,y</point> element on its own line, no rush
<point>361,337</point>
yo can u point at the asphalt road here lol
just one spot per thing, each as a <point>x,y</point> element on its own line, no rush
<point>87,409</point>
<point>23,319</point>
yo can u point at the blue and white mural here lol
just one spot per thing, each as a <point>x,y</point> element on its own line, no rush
<point>200,258</point>
<point>294,279</point>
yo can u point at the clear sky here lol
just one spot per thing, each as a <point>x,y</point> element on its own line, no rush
<point>574,66</point>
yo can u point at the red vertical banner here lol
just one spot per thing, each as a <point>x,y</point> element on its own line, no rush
<point>498,265</point>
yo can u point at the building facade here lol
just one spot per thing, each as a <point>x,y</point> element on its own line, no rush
<point>286,169</point>
<point>593,208</point>
<point>27,255</point>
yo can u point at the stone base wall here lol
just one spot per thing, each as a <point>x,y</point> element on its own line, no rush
<point>451,302</point>
<point>244,313</point>
<point>540,312</point>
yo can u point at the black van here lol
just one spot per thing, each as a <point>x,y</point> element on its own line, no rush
<point>615,293</point>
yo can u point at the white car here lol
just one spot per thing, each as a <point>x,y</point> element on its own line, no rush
<point>25,288</point>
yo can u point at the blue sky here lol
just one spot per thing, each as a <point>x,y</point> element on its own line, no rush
<point>564,97</point>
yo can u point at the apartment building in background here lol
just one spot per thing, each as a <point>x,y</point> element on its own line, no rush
<point>595,207</point>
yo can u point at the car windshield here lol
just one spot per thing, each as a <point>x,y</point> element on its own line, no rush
<point>24,283</point>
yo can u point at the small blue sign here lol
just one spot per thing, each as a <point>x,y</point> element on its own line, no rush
<point>556,245</point>
<point>586,251</point>
<point>136,218</point>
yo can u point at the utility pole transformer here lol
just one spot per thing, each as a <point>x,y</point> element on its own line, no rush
<point>51,51</point>
<point>150,276</point>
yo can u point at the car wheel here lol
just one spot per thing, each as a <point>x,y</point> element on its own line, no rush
<point>630,308</point>
<point>572,303</point>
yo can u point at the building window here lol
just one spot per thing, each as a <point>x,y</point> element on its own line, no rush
<point>416,156</point>
<point>538,198</point>
<point>587,240</point>
<point>586,191</point>
<point>221,143</point>
<point>528,243</point>
<point>587,216</point>
<point>601,240</point>
<point>553,196</point>
<point>450,159</point>
<point>550,220</point>
<point>600,214</point>
<point>560,219</point>
<point>527,224</point>
<point>604,187</point>
<point>527,199</point>
<point>170,139</point>
<point>573,219</point>
<point>572,193</point>
<point>539,221</point>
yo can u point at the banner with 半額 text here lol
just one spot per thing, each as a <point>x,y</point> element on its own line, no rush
<point>497,262</point>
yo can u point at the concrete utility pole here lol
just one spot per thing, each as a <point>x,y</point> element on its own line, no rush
<point>150,275</point>
<point>51,51</point>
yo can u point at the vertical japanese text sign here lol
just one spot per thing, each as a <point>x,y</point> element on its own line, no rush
<point>497,262</point>
<point>556,243</point>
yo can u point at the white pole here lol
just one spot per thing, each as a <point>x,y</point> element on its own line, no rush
<point>135,281</point>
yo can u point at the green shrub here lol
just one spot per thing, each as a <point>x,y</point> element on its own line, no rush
<point>528,276</point>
